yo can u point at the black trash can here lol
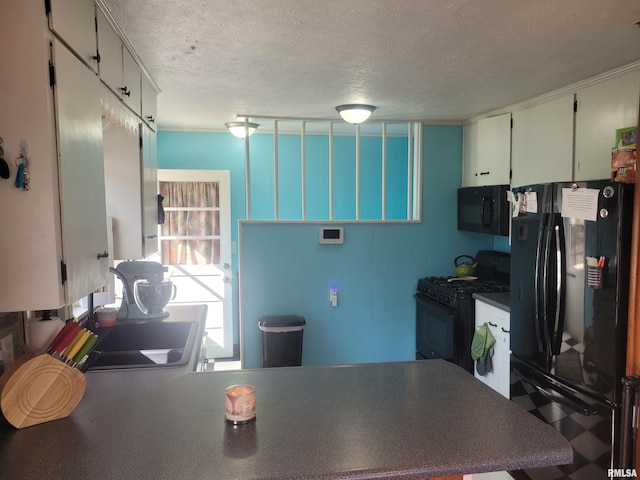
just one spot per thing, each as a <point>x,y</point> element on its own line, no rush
<point>281,340</point>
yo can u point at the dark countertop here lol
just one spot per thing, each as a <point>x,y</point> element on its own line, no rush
<point>103,386</point>
<point>499,299</point>
<point>406,420</point>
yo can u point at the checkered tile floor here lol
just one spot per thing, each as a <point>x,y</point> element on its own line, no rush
<point>588,435</point>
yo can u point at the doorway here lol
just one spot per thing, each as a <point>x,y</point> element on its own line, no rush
<point>195,244</point>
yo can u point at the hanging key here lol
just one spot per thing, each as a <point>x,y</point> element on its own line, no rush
<point>25,181</point>
<point>22,177</point>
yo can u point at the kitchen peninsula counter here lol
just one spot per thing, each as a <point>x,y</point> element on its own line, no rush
<point>409,420</point>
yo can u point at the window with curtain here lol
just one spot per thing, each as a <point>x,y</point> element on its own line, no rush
<point>190,234</point>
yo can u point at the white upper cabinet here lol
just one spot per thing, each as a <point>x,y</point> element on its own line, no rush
<point>130,171</point>
<point>131,86</point>
<point>494,150</point>
<point>542,147</point>
<point>74,21</point>
<point>81,167</point>
<point>149,110</point>
<point>602,109</point>
<point>470,155</point>
<point>487,152</point>
<point>118,69</point>
<point>55,236</point>
<point>149,192</point>
<point>110,49</point>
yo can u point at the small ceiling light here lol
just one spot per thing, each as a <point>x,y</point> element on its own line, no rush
<point>240,129</point>
<point>355,112</point>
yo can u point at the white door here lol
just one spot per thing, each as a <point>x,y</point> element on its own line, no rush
<point>195,243</point>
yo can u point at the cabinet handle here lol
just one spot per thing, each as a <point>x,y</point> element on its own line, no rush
<point>485,173</point>
<point>125,91</point>
<point>151,119</point>
<point>103,255</point>
<point>96,57</point>
<point>493,324</point>
<point>505,331</point>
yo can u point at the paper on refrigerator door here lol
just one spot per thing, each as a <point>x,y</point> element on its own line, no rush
<point>514,199</point>
<point>523,202</point>
<point>580,203</point>
<point>531,202</point>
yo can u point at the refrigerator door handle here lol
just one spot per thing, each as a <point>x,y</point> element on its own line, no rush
<point>539,284</point>
<point>548,283</point>
<point>560,260</point>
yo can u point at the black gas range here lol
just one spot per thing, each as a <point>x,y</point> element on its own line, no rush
<point>449,290</point>
<point>445,309</point>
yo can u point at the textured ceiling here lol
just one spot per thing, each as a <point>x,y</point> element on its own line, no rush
<point>432,60</point>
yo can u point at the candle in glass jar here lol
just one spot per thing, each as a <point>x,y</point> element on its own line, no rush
<point>240,404</point>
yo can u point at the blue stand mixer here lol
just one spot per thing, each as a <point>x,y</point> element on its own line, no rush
<point>145,292</point>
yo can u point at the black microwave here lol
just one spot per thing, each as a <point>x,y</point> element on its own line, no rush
<point>484,209</point>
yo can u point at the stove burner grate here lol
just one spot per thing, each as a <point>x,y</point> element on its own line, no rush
<point>449,290</point>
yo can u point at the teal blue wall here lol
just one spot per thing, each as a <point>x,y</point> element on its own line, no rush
<point>286,270</point>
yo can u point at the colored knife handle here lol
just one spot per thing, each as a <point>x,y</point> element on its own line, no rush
<point>62,334</point>
<point>86,348</point>
<point>77,344</point>
<point>68,338</point>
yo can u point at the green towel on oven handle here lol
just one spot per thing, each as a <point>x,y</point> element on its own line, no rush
<point>482,343</point>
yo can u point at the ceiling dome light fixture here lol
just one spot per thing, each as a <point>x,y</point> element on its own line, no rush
<point>240,129</point>
<point>355,112</point>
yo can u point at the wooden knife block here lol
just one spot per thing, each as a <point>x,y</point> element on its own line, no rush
<point>39,390</point>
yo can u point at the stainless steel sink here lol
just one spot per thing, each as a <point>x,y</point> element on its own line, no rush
<point>150,344</point>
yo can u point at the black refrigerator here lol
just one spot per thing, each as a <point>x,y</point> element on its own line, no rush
<point>570,253</point>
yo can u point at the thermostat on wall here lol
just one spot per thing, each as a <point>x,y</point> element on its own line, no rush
<point>331,234</point>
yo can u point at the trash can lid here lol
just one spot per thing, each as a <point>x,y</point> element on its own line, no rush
<point>281,321</point>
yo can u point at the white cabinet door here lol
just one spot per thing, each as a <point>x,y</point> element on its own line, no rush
<point>30,241</point>
<point>149,191</point>
<point>149,110</point>
<point>470,155</point>
<point>81,172</point>
<point>603,108</point>
<point>110,48</point>
<point>542,149</point>
<point>131,88</point>
<point>498,322</point>
<point>74,22</point>
<point>501,356</point>
<point>122,179</point>
<point>131,186</point>
<point>494,150</point>
<point>118,68</point>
